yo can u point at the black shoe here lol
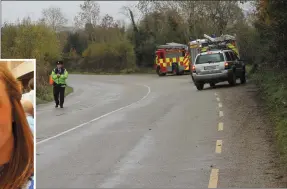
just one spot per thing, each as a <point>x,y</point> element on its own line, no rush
<point>56,106</point>
<point>62,106</point>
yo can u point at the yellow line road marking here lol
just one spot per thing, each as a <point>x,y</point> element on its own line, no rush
<point>220,105</point>
<point>220,126</point>
<point>218,148</point>
<point>218,99</point>
<point>220,113</point>
<point>213,180</point>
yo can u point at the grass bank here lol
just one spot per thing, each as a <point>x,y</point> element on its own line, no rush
<point>48,97</point>
<point>273,88</point>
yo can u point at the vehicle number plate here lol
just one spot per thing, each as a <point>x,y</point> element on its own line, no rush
<point>209,67</point>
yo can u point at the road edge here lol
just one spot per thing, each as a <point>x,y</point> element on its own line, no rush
<point>271,95</point>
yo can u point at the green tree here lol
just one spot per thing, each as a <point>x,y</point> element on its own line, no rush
<point>27,40</point>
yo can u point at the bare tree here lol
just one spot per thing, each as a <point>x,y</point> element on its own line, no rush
<point>89,14</point>
<point>108,21</point>
<point>223,14</point>
<point>54,17</point>
<point>126,10</point>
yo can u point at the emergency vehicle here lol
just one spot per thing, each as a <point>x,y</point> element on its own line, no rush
<point>172,58</point>
<point>213,43</point>
<point>216,59</point>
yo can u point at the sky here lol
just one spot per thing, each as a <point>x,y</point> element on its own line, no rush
<point>12,10</point>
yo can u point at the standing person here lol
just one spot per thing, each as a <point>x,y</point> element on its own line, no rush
<point>16,138</point>
<point>30,95</point>
<point>29,111</point>
<point>59,76</point>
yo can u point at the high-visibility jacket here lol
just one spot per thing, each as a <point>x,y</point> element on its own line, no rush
<point>204,49</point>
<point>59,81</point>
<point>233,48</point>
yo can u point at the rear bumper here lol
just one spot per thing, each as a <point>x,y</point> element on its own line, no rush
<point>216,77</point>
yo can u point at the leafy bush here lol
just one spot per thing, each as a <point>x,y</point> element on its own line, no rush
<point>27,40</point>
<point>109,56</point>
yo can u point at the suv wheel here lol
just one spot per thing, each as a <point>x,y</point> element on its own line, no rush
<point>232,79</point>
<point>212,85</point>
<point>243,78</point>
<point>199,86</point>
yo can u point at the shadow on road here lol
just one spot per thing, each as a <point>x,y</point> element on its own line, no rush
<point>222,86</point>
<point>170,75</point>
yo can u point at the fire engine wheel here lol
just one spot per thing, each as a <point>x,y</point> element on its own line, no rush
<point>159,73</point>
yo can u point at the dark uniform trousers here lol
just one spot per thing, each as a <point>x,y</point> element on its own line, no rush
<point>59,91</point>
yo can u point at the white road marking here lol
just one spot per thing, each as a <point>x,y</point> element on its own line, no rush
<point>215,94</point>
<point>218,99</point>
<point>220,105</point>
<point>220,113</point>
<point>102,116</point>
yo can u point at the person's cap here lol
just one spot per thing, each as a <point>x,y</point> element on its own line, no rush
<point>60,62</point>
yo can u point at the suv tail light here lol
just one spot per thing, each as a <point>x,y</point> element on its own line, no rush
<point>226,65</point>
<point>193,69</point>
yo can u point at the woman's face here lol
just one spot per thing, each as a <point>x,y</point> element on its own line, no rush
<point>5,115</point>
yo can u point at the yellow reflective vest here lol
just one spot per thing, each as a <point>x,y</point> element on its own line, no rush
<point>204,49</point>
<point>233,48</point>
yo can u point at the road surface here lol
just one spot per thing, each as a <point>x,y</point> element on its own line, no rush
<point>148,131</point>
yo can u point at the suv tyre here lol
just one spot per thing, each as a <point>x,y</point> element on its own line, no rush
<point>232,79</point>
<point>212,85</point>
<point>199,86</point>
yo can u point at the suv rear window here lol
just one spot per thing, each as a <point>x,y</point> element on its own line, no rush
<point>206,58</point>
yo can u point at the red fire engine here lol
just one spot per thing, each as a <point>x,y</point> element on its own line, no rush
<point>172,58</point>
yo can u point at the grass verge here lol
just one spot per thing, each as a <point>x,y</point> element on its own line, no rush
<point>48,97</point>
<point>273,88</point>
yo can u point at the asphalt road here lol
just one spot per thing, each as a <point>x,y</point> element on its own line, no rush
<point>146,131</point>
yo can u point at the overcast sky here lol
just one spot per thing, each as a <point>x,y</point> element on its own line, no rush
<point>12,10</point>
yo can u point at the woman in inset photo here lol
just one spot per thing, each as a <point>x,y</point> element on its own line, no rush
<point>16,138</point>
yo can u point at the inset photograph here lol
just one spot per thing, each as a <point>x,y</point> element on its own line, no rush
<point>17,125</point>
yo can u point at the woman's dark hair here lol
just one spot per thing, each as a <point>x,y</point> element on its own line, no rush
<point>31,84</point>
<point>21,165</point>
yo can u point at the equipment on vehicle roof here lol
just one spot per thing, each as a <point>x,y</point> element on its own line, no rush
<point>223,42</point>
